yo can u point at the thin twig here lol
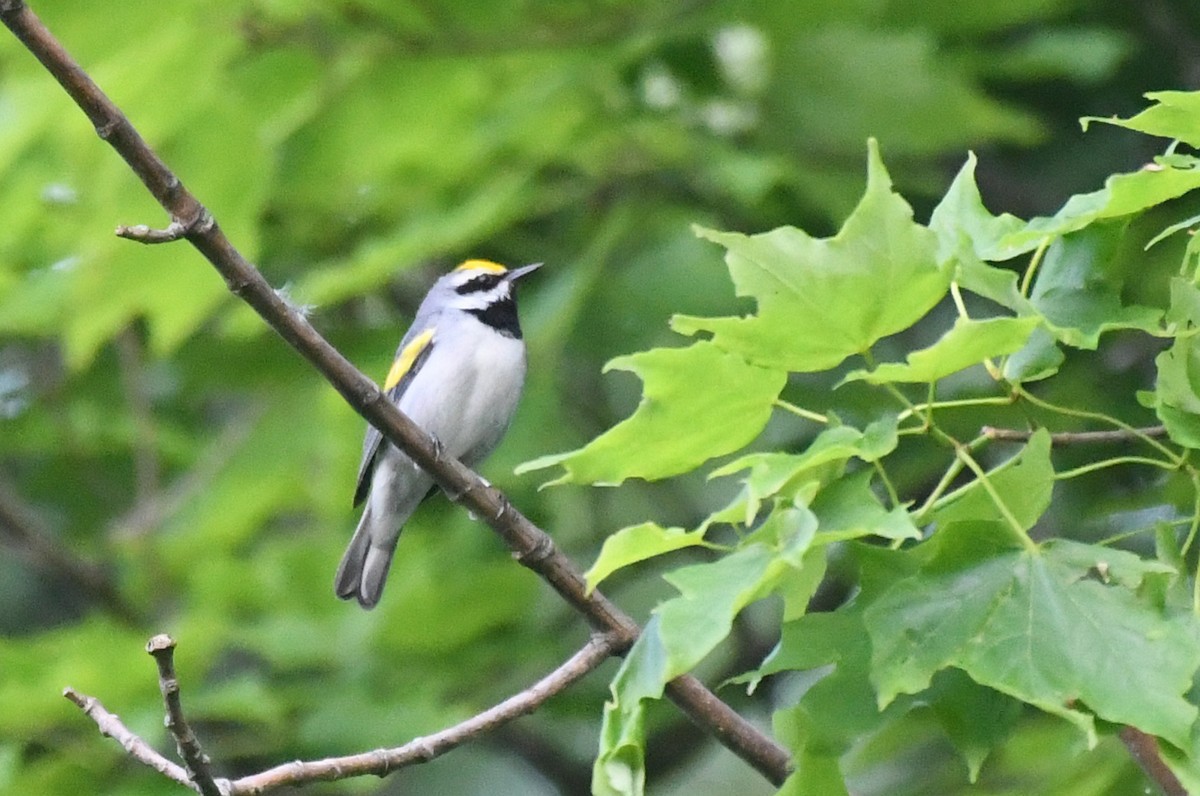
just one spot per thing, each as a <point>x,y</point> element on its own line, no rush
<point>144,234</point>
<point>1100,417</point>
<point>199,770</point>
<point>1065,438</point>
<point>530,545</point>
<point>1144,750</point>
<point>422,750</point>
<point>379,762</point>
<point>111,726</point>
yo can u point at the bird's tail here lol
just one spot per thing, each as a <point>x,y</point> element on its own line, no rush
<point>364,567</point>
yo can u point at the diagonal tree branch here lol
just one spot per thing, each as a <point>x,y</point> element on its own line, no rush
<point>1144,750</point>
<point>379,762</point>
<point>530,545</point>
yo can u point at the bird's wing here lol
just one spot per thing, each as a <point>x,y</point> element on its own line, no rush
<point>414,351</point>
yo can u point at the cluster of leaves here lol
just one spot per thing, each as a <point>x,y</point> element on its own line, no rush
<point>969,598</point>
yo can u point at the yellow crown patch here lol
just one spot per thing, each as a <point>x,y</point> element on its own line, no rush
<point>482,265</point>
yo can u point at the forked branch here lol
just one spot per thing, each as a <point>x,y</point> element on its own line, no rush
<point>379,762</point>
<point>162,648</point>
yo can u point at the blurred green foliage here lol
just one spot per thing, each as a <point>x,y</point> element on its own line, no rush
<point>151,425</point>
<point>1084,631</point>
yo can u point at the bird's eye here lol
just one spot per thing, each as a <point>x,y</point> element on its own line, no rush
<point>478,284</point>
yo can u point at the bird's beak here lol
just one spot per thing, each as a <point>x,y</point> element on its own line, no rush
<point>517,273</point>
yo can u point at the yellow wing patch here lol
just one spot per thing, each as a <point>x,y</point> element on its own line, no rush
<point>482,265</point>
<point>407,357</point>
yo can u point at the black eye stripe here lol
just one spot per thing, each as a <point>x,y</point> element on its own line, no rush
<point>478,284</point>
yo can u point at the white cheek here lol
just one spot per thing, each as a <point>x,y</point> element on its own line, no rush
<point>482,299</point>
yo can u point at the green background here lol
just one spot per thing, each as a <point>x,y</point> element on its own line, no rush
<point>152,426</point>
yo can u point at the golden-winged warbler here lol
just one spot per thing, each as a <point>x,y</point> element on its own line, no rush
<point>458,374</point>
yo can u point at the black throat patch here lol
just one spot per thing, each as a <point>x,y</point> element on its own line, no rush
<point>502,316</point>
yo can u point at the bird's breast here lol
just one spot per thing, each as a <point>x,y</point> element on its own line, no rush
<point>467,391</point>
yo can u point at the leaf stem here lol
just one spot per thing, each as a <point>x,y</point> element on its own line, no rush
<point>936,497</point>
<point>1193,527</point>
<point>1092,467</point>
<point>948,477</point>
<point>958,403</point>
<point>800,411</point>
<point>1195,524</point>
<point>1123,535</point>
<point>959,304</point>
<point>1034,262</point>
<point>963,454</point>
<point>902,399</point>
<point>893,495</point>
<point>1083,414</point>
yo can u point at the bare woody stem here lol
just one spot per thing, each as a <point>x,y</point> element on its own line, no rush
<point>1144,750</point>
<point>112,727</point>
<point>422,750</point>
<point>530,545</point>
<point>379,762</point>
<point>144,234</point>
<point>162,647</point>
<point>1065,438</point>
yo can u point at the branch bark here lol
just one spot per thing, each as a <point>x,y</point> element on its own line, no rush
<point>530,545</point>
<point>199,769</point>
<point>1064,438</point>
<point>380,762</point>
<point>422,750</point>
<point>111,726</point>
<point>1144,750</point>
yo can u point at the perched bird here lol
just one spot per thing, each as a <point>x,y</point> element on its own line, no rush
<point>458,374</point>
